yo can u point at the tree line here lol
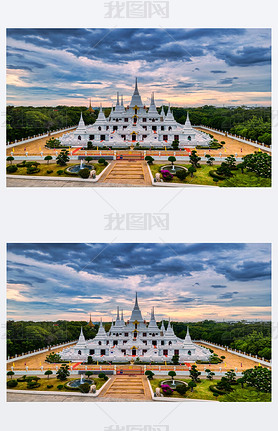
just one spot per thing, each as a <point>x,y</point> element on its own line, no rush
<point>254,337</point>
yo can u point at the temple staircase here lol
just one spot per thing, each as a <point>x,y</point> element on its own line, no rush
<point>128,387</point>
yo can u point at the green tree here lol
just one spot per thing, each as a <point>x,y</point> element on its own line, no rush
<point>63,372</point>
<point>149,374</point>
<point>175,359</point>
<point>89,373</point>
<point>210,374</point>
<point>172,159</point>
<point>48,373</point>
<point>89,159</point>
<point>192,385</point>
<point>63,158</point>
<point>11,374</point>
<point>210,159</point>
<point>149,159</point>
<point>10,159</point>
<point>259,378</point>
<point>194,159</point>
<point>191,170</point>
<point>48,158</point>
<point>194,374</point>
<point>172,374</point>
<point>175,144</point>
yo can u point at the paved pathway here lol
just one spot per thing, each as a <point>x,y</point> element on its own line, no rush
<point>125,172</point>
<point>127,387</point>
<point>35,398</point>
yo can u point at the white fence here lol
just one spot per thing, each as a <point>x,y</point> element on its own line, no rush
<point>237,352</point>
<point>256,144</point>
<point>37,352</point>
<point>34,138</point>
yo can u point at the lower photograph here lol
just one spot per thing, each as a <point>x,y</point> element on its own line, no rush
<point>138,322</point>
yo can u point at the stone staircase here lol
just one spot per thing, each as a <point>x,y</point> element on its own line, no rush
<point>128,172</point>
<point>128,387</point>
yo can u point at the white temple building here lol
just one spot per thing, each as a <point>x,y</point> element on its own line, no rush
<point>134,124</point>
<point>135,338</point>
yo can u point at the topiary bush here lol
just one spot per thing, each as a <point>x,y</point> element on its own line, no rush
<point>182,174</point>
<point>84,173</point>
<point>166,175</point>
<point>181,389</point>
<point>11,169</point>
<point>12,383</point>
<point>49,171</point>
<point>32,170</point>
<point>22,379</point>
<point>85,387</point>
<point>60,387</point>
<point>103,376</point>
<point>60,172</point>
<point>166,390</point>
<point>33,385</point>
<point>49,386</point>
<point>214,174</point>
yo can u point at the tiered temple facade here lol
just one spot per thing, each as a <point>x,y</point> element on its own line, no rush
<point>134,124</point>
<point>134,339</point>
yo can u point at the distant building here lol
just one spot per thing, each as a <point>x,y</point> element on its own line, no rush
<point>90,324</point>
<point>134,339</point>
<point>135,123</point>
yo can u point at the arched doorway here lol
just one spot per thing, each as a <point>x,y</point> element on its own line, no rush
<point>133,136</point>
<point>133,352</point>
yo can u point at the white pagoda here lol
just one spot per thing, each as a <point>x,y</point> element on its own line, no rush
<point>135,338</point>
<point>134,124</point>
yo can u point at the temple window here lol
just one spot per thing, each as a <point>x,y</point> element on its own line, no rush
<point>170,343</point>
<point>135,111</point>
<point>165,137</point>
<point>170,128</point>
<point>189,138</point>
<point>189,352</point>
<point>176,137</point>
<point>117,119</point>
<point>162,127</point>
<point>102,352</point>
<point>154,128</point>
<point>144,334</point>
<point>107,127</point>
<point>99,343</point>
<point>154,343</point>
<point>115,127</point>
<point>176,352</point>
<point>92,137</point>
<point>144,120</point>
<point>162,342</point>
<point>107,342</point>
<point>115,342</point>
<point>165,352</point>
<point>99,128</point>
<point>92,351</point>
<point>135,325</point>
<point>102,137</point>
<point>126,120</point>
<point>126,334</point>
<point>79,137</point>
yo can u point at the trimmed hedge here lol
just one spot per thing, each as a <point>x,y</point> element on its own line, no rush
<point>214,174</point>
<point>217,391</point>
<point>12,383</point>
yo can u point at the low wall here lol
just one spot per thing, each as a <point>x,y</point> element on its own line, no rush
<point>238,353</point>
<point>34,138</point>
<point>37,352</point>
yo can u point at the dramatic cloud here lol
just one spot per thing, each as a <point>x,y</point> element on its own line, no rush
<point>68,66</point>
<point>52,281</point>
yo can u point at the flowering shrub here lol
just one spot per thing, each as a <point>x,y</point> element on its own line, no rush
<point>166,390</point>
<point>166,175</point>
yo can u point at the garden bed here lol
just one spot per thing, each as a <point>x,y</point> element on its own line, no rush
<point>43,168</point>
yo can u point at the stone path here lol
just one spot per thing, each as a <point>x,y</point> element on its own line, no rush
<point>127,387</point>
<point>125,172</point>
<point>35,398</point>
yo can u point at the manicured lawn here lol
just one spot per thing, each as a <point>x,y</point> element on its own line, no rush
<point>53,167</point>
<point>202,391</point>
<point>202,177</point>
<point>55,382</point>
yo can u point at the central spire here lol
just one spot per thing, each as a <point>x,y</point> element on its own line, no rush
<point>136,98</point>
<point>136,312</point>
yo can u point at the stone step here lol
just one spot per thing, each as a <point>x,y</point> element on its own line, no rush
<point>125,391</point>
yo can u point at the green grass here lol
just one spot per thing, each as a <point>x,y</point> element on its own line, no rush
<point>53,167</point>
<point>202,177</point>
<point>202,392</point>
<point>55,382</point>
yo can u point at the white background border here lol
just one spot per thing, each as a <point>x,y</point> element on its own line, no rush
<point>196,215</point>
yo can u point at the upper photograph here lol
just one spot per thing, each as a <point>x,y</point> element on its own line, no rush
<point>138,107</point>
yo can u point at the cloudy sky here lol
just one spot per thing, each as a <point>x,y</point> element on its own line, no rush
<point>188,282</point>
<point>186,67</point>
